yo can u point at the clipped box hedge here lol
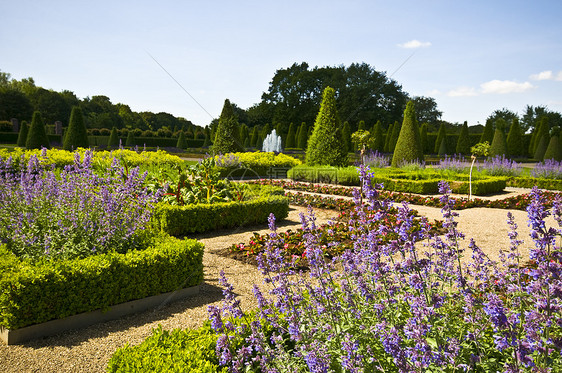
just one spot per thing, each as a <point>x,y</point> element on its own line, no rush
<point>203,217</point>
<point>36,293</point>
<point>529,182</point>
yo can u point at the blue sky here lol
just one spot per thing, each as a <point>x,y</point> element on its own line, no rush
<point>473,57</point>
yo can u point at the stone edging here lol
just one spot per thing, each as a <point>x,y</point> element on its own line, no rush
<point>83,320</point>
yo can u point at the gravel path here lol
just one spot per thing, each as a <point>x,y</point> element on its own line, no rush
<point>89,350</point>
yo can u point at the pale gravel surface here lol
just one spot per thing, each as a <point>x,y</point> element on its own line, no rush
<point>89,350</point>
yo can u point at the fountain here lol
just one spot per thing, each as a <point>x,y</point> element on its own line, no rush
<point>272,143</point>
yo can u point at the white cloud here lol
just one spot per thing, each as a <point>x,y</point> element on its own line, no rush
<point>414,44</point>
<point>434,92</point>
<point>505,86</point>
<point>543,75</point>
<point>558,76</point>
<point>462,92</point>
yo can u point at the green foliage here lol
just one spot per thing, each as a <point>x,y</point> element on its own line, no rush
<point>515,140</point>
<point>191,350</point>
<point>76,135</point>
<point>346,137</point>
<point>408,146</point>
<point>482,149</point>
<point>325,174</point>
<point>113,141</point>
<point>554,151</point>
<point>499,145</point>
<point>22,136</point>
<point>488,134</point>
<point>440,136</point>
<point>182,220</point>
<point>361,138</point>
<point>361,126</point>
<point>325,146</point>
<point>290,143</point>
<point>131,141</point>
<point>378,137</point>
<point>395,134</point>
<point>463,142</point>
<point>443,148</point>
<point>182,143</point>
<point>538,135</point>
<point>227,138</point>
<point>541,147</point>
<point>35,293</point>
<point>254,137</point>
<point>423,138</point>
<point>37,137</point>
<point>387,138</point>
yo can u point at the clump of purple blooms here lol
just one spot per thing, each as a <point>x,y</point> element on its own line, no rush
<point>400,305</point>
<point>228,160</point>
<point>500,166</point>
<point>455,163</point>
<point>549,169</point>
<point>73,212</point>
<point>376,159</point>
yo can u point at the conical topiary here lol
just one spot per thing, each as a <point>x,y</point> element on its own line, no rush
<point>515,140</point>
<point>37,137</point>
<point>303,136</point>
<point>227,137</point>
<point>346,137</point>
<point>324,145</point>
<point>542,131</point>
<point>290,143</point>
<point>387,138</point>
<point>423,138</point>
<point>499,145</point>
<point>131,141</point>
<point>113,141</point>
<point>554,151</point>
<point>463,142</point>
<point>440,136</point>
<point>488,134</point>
<point>76,135</point>
<point>378,137</point>
<point>442,151</point>
<point>395,134</point>
<point>22,136</point>
<point>408,146</point>
<point>182,142</point>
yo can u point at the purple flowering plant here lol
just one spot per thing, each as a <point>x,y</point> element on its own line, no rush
<point>549,169</point>
<point>74,212</point>
<point>402,306</point>
<point>500,166</point>
<point>455,164</point>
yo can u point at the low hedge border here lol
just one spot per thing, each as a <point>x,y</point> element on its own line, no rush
<point>203,217</point>
<point>36,293</point>
<point>529,182</point>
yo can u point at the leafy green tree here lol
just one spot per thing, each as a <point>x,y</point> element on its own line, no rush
<point>505,114</point>
<point>408,147</point>
<point>76,135</point>
<point>499,145</point>
<point>303,136</point>
<point>22,136</point>
<point>554,151</point>
<point>488,134</point>
<point>463,142</point>
<point>113,141</point>
<point>227,138</point>
<point>515,140</point>
<point>290,143</point>
<point>378,137</point>
<point>426,110</point>
<point>37,136</point>
<point>423,138</point>
<point>182,142</point>
<point>442,134</point>
<point>51,104</point>
<point>388,138</point>
<point>131,141</point>
<point>14,104</point>
<point>324,146</point>
<point>395,134</point>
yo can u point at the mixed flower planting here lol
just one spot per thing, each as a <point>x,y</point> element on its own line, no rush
<point>400,305</point>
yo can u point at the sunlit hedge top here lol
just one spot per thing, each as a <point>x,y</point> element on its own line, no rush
<point>261,159</point>
<point>101,159</point>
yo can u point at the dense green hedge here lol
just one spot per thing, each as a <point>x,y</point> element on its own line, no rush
<point>175,351</point>
<point>12,138</point>
<point>182,220</point>
<point>529,182</point>
<point>147,141</point>
<point>35,293</point>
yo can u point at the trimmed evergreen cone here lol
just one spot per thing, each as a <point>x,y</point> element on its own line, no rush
<point>488,134</point>
<point>113,141</point>
<point>325,146</point>
<point>22,137</point>
<point>227,138</point>
<point>37,136</point>
<point>463,142</point>
<point>499,145</point>
<point>131,141</point>
<point>515,140</point>
<point>442,134</point>
<point>182,143</point>
<point>408,147</point>
<point>554,151</point>
<point>76,135</point>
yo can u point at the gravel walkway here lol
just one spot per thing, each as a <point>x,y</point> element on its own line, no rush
<point>89,350</point>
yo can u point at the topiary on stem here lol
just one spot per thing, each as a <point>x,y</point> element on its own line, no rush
<point>408,147</point>
<point>325,146</point>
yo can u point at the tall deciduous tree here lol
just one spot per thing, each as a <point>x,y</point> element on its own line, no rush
<point>76,135</point>
<point>37,136</point>
<point>408,147</point>
<point>227,137</point>
<point>324,146</point>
